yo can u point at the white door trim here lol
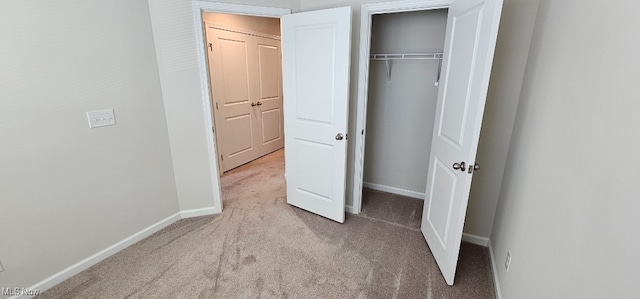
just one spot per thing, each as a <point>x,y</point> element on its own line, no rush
<point>368,10</point>
<point>242,31</point>
<point>198,8</point>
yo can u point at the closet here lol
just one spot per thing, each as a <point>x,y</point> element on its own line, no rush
<point>405,61</point>
<point>244,55</point>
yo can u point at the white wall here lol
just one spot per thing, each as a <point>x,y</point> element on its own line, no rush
<point>569,205</point>
<point>400,112</point>
<point>511,52</point>
<point>174,36</point>
<point>67,191</point>
<point>258,24</point>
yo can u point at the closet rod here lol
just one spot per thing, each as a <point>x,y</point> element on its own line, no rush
<point>408,56</point>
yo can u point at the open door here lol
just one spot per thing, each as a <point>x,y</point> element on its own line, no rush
<point>472,29</point>
<point>316,49</point>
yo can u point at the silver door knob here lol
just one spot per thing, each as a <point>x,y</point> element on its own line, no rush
<point>339,136</point>
<point>476,167</point>
<point>259,103</point>
<point>460,166</point>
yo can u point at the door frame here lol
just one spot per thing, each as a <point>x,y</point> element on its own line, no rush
<point>200,7</point>
<point>367,12</point>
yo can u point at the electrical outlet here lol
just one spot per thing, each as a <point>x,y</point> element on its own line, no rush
<point>101,118</point>
<point>507,262</point>
<point>1,268</point>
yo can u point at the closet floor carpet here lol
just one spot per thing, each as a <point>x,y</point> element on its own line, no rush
<point>260,247</point>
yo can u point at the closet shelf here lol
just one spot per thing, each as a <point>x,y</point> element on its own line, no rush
<point>404,56</point>
<point>408,56</point>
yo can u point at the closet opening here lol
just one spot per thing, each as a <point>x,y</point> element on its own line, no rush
<point>245,75</point>
<point>404,68</point>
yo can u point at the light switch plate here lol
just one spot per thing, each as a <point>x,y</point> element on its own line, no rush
<point>101,118</point>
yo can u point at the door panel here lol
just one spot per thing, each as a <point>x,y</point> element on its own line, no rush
<point>456,102</point>
<point>316,54</point>
<point>241,140</point>
<point>315,101</point>
<point>269,57</point>
<point>234,75</point>
<point>472,28</point>
<point>271,126</point>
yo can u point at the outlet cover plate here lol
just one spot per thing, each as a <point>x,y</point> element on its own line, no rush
<point>101,118</point>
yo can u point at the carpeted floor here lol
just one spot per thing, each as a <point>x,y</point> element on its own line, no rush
<point>260,247</point>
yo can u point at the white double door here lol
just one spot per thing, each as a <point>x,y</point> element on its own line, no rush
<point>246,81</point>
<point>316,48</point>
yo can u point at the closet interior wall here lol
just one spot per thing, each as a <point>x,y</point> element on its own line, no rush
<point>401,108</point>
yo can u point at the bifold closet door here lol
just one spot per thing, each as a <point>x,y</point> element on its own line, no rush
<point>246,91</point>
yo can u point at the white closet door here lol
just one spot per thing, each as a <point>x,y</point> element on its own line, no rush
<point>316,54</point>
<point>269,123</point>
<point>472,28</point>
<point>230,59</point>
<point>246,80</point>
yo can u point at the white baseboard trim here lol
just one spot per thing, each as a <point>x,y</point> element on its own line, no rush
<point>494,269</point>
<point>100,256</point>
<point>349,209</point>
<point>473,239</point>
<point>394,190</point>
<point>198,212</point>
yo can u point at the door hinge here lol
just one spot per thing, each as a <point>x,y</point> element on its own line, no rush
<point>210,47</point>
<point>216,105</point>
<point>362,132</point>
<point>221,158</point>
<point>346,136</point>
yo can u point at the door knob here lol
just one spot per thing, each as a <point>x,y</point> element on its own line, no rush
<point>339,136</point>
<point>259,103</point>
<point>460,166</point>
<point>253,104</point>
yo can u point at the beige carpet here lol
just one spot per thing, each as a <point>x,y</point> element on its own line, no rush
<point>260,247</point>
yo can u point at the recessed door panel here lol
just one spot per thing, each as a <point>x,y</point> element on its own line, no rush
<point>315,101</point>
<point>444,182</point>
<point>241,138</point>
<point>271,125</point>
<point>270,66</point>
<point>455,105</point>
<point>313,155</point>
<point>234,71</point>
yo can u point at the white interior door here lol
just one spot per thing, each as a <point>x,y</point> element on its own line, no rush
<point>231,58</point>
<point>270,127</point>
<point>472,28</point>
<point>316,49</point>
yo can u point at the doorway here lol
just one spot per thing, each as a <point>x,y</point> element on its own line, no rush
<point>244,56</point>
<point>402,95</point>
<point>199,8</point>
